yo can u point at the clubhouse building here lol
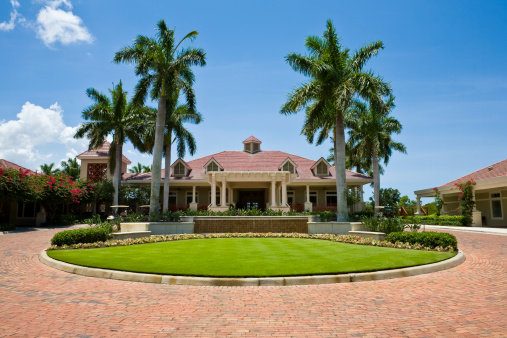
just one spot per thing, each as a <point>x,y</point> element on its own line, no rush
<point>250,178</point>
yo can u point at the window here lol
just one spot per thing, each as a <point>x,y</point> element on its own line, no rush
<point>28,210</point>
<point>247,147</point>
<point>496,206</point>
<point>313,197</point>
<point>212,167</point>
<point>290,197</point>
<point>256,147</point>
<point>322,169</point>
<point>289,167</point>
<point>179,169</point>
<point>189,197</point>
<point>331,199</point>
<point>96,172</point>
<point>217,201</point>
<point>172,197</point>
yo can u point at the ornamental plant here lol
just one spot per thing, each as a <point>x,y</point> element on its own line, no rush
<point>466,199</point>
<point>439,202</point>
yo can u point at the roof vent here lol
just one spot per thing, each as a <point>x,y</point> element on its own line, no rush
<point>490,168</point>
<point>252,145</point>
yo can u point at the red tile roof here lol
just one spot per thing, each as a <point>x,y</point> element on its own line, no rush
<point>103,151</point>
<point>9,165</point>
<point>494,170</point>
<point>243,161</point>
<point>252,139</point>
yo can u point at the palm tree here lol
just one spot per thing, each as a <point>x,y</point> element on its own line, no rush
<point>114,116</point>
<point>336,79</point>
<point>139,168</point>
<point>176,116</point>
<point>47,169</point>
<point>370,138</point>
<point>166,70</point>
<point>71,168</point>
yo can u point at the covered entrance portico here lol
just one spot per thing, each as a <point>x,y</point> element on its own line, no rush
<point>248,189</point>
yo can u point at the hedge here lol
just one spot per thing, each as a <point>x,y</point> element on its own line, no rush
<point>7,227</point>
<point>86,235</point>
<point>428,239</point>
<point>437,220</point>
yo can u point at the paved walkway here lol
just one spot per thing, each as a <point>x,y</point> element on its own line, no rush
<point>469,300</point>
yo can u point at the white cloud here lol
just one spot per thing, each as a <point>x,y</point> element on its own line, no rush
<point>57,25</point>
<point>15,16</point>
<point>36,134</point>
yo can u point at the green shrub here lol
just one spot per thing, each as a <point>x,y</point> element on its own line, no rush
<point>428,239</point>
<point>7,227</point>
<point>437,220</point>
<point>75,236</point>
<point>357,216</point>
<point>384,224</point>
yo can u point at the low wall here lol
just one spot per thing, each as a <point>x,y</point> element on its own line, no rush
<point>160,228</point>
<point>221,224</point>
<point>335,228</point>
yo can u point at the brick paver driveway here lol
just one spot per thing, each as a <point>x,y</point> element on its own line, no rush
<point>469,300</point>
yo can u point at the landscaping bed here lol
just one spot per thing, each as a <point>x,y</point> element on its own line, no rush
<point>249,255</point>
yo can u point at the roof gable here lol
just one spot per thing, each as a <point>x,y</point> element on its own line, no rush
<point>212,160</point>
<point>252,139</point>
<point>287,160</point>
<point>101,152</point>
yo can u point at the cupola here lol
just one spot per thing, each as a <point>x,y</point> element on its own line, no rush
<point>252,145</point>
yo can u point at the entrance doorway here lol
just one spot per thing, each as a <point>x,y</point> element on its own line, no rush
<point>251,199</point>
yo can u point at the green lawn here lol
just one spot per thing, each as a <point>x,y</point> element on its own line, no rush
<point>248,257</point>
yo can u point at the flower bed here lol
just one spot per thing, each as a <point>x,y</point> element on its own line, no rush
<point>165,238</point>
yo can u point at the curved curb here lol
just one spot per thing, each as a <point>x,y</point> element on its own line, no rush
<point>262,281</point>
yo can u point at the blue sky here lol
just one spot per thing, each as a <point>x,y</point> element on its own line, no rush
<point>444,59</point>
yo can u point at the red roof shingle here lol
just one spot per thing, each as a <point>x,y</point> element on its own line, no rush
<point>252,139</point>
<point>244,161</point>
<point>494,170</point>
<point>103,151</point>
<point>9,165</point>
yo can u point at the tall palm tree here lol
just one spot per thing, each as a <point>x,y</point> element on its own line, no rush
<point>71,168</point>
<point>370,138</point>
<point>176,115</point>
<point>166,70</point>
<point>336,79</point>
<point>114,116</point>
<point>47,169</point>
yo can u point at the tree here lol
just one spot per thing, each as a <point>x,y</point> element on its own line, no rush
<point>166,70</point>
<point>406,202</point>
<point>389,197</point>
<point>139,168</point>
<point>176,116</point>
<point>71,168</point>
<point>114,116</point>
<point>336,78</point>
<point>47,169</point>
<point>370,137</point>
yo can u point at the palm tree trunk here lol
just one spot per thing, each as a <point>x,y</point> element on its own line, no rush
<point>167,174</point>
<point>376,182</point>
<point>157,156</point>
<point>339,162</point>
<point>117,174</point>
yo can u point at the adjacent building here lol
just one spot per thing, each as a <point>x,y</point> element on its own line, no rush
<point>490,195</point>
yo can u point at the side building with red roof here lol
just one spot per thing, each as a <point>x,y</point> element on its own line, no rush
<point>18,213</point>
<point>252,178</point>
<point>490,195</point>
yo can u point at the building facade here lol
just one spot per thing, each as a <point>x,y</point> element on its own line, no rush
<point>490,195</point>
<point>253,178</point>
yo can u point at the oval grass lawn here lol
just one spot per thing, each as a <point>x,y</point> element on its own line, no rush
<point>248,257</point>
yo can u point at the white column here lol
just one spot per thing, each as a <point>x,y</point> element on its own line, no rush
<point>193,194</point>
<point>223,194</point>
<point>273,193</point>
<point>213,192</point>
<point>284,193</point>
<point>307,194</point>
<point>230,195</point>
<point>418,206</point>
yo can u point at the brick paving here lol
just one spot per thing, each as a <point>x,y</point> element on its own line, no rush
<point>38,301</point>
